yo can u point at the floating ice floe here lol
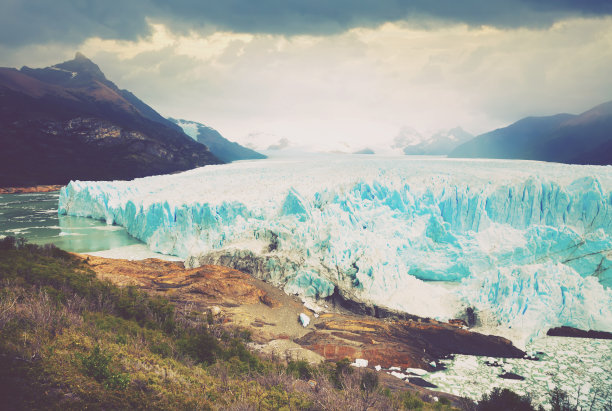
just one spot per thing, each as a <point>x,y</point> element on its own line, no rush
<point>581,367</point>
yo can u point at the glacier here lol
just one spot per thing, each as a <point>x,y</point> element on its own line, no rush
<point>529,244</point>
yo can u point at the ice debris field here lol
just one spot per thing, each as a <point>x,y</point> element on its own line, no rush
<point>581,367</point>
<point>528,244</point>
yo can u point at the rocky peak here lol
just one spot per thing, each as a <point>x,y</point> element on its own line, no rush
<point>82,66</point>
<point>74,73</point>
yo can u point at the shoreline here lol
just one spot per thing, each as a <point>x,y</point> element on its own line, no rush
<point>32,189</point>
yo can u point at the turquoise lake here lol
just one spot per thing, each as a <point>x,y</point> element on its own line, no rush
<point>34,216</point>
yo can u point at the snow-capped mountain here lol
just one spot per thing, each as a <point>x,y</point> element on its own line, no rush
<point>440,143</point>
<point>221,147</point>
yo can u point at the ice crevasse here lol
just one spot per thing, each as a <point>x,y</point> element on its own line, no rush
<point>529,244</point>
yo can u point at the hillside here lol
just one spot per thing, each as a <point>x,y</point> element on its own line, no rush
<point>221,147</point>
<point>69,340</point>
<point>68,122</point>
<point>563,138</point>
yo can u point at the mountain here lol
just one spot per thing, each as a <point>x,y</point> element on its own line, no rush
<point>563,138</point>
<point>221,147</point>
<point>409,141</point>
<point>442,142</point>
<point>68,122</point>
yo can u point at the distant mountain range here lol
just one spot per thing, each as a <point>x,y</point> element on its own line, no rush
<point>442,142</point>
<point>562,138</point>
<point>68,122</point>
<point>221,147</point>
<point>410,142</point>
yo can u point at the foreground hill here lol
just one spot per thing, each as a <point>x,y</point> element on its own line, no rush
<point>221,147</point>
<point>68,122</point>
<point>70,340</point>
<point>563,138</point>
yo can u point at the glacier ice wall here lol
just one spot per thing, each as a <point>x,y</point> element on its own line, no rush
<point>427,236</point>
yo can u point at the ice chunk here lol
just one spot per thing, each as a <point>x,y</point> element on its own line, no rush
<point>360,362</point>
<point>416,371</point>
<point>304,320</point>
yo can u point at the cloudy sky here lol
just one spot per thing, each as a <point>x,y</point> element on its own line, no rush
<point>325,72</point>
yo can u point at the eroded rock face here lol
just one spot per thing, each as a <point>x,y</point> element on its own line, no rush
<point>403,343</point>
<point>272,316</point>
<point>204,285</point>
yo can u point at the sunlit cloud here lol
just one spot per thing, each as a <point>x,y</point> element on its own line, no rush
<point>363,84</point>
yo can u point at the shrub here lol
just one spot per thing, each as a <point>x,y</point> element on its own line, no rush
<point>559,401</point>
<point>369,381</point>
<point>201,346</point>
<point>97,366</point>
<point>343,368</point>
<point>300,369</point>
<point>7,243</point>
<point>504,399</point>
<point>411,402</point>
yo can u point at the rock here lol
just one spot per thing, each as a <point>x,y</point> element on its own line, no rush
<point>304,320</point>
<point>511,376</point>
<point>421,382</point>
<point>575,332</point>
<point>399,342</point>
<point>215,310</point>
<point>458,322</point>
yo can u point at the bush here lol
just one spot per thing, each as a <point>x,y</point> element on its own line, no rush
<point>201,347</point>
<point>559,401</point>
<point>97,366</point>
<point>369,381</point>
<point>7,243</point>
<point>300,369</point>
<point>505,400</point>
<point>411,402</point>
<point>343,368</point>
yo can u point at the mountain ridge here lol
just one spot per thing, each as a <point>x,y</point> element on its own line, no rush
<point>221,147</point>
<point>68,121</point>
<point>585,138</point>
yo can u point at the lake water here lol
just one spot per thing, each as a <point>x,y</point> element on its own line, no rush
<point>34,216</point>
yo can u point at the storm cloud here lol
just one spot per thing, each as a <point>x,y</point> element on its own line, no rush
<point>26,22</point>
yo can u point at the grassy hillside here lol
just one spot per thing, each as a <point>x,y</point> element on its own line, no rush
<point>71,341</point>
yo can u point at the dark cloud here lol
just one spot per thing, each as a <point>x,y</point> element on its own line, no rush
<point>70,21</point>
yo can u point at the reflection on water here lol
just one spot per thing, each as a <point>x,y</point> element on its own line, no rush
<point>34,216</point>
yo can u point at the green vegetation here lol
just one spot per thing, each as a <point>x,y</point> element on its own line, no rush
<point>71,341</point>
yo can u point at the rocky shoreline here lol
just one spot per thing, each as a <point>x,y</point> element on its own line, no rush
<point>32,189</point>
<point>333,333</point>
